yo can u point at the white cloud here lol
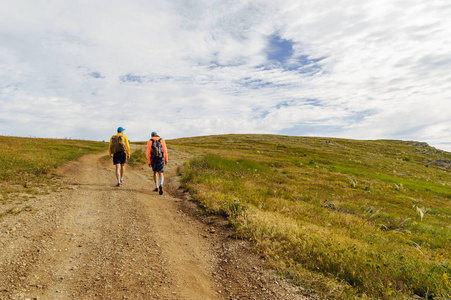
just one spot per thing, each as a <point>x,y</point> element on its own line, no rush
<point>372,69</point>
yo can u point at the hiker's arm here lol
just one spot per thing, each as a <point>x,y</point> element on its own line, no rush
<point>128,147</point>
<point>149,149</point>
<point>109,148</point>
<point>165,151</point>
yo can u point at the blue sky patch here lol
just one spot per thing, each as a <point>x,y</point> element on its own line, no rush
<point>306,65</point>
<point>96,75</point>
<point>279,49</point>
<point>280,52</point>
<point>145,79</point>
<point>258,113</point>
<point>298,102</point>
<point>131,78</point>
<point>313,102</point>
<point>251,83</point>
<point>284,104</point>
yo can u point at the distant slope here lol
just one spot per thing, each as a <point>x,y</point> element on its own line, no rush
<point>345,217</point>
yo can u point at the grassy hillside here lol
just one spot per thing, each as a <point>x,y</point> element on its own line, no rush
<point>27,165</point>
<point>349,219</point>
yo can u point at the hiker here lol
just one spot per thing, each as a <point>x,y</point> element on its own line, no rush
<point>119,149</point>
<point>157,157</point>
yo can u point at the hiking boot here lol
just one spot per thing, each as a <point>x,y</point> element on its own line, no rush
<point>161,190</point>
<point>118,185</point>
<point>122,181</point>
<point>155,190</point>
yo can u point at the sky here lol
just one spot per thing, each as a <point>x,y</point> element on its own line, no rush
<point>374,69</point>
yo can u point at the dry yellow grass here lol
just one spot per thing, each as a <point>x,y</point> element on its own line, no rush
<point>341,211</point>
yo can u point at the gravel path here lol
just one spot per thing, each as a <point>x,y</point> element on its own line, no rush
<point>95,241</point>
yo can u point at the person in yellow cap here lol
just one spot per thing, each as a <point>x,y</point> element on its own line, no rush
<point>157,157</point>
<point>119,149</point>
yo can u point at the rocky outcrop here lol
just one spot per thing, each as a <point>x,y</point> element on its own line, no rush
<point>442,162</point>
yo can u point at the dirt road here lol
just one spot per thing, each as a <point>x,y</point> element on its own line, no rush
<point>95,241</point>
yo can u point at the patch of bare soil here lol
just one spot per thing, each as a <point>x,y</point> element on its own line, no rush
<point>96,241</point>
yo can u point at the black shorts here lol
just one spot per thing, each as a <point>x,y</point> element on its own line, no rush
<point>157,165</point>
<point>119,158</point>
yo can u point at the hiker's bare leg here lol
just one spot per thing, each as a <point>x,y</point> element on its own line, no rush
<point>122,171</point>
<point>155,177</point>
<point>118,171</point>
<point>161,175</point>
<point>161,183</point>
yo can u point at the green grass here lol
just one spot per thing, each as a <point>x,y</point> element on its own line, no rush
<point>349,219</point>
<point>27,166</point>
<point>138,158</point>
